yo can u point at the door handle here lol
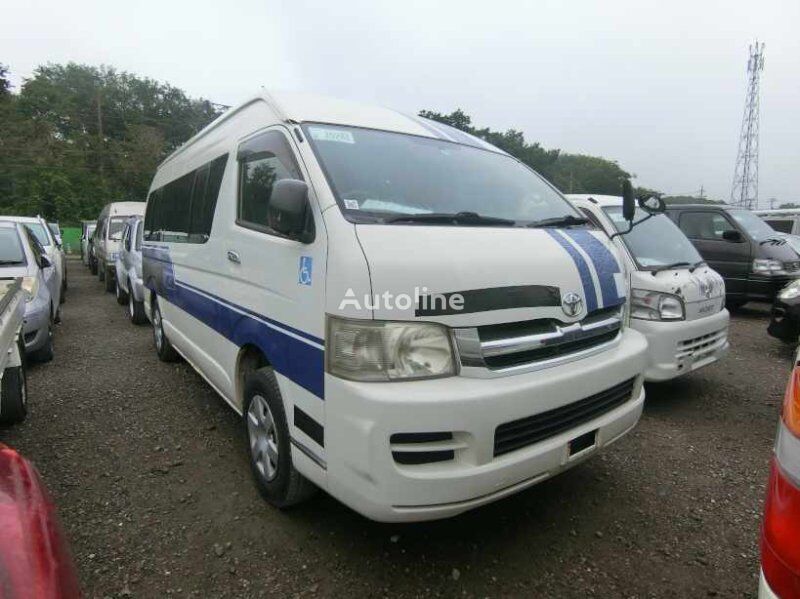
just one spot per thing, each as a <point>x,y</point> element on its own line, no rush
<point>234,257</point>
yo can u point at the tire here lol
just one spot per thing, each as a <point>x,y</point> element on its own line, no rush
<point>110,280</point>
<point>269,446</point>
<point>14,395</point>
<point>101,272</point>
<point>93,266</point>
<point>734,305</point>
<point>119,292</point>
<point>46,352</point>
<point>164,349</point>
<point>135,309</point>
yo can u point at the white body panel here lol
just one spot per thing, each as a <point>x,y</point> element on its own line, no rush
<point>674,347</point>
<point>243,288</point>
<point>106,249</point>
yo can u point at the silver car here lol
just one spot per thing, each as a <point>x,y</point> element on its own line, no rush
<point>128,287</point>
<point>51,247</point>
<point>21,255</point>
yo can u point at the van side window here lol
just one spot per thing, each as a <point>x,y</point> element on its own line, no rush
<point>182,211</point>
<point>263,160</point>
<point>139,230</point>
<point>704,225</point>
<point>126,237</point>
<point>780,225</point>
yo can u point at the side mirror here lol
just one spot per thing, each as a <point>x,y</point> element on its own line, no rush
<point>289,212</point>
<point>628,201</point>
<point>44,262</point>
<point>653,205</point>
<point>732,235</point>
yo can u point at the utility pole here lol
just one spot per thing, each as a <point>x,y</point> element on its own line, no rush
<point>100,139</point>
<point>744,191</point>
<point>702,195</point>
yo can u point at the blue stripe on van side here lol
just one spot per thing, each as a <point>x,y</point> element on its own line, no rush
<point>295,354</point>
<point>583,270</point>
<point>604,262</point>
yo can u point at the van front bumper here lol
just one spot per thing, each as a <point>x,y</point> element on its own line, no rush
<point>678,347</point>
<point>361,418</point>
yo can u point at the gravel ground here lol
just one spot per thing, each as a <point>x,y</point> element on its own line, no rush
<point>149,470</point>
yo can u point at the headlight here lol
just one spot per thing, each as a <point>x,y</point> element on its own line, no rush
<point>369,350</point>
<point>31,286</point>
<point>791,291</point>
<point>766,266</point>
<point>653,305</point>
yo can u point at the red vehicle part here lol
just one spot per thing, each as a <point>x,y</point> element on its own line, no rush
<point>780,536</point>
<point>35,561</point>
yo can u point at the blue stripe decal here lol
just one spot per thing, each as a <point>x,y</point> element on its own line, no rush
<point>293,353</point>
<point>583,270</point>
<point>605,264</point>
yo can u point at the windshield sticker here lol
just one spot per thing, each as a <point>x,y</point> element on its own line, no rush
<point>389,206</point>
<point>337,135</point>
<point>351,204</point>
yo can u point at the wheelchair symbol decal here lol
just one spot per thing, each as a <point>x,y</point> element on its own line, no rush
<point>304,277</point>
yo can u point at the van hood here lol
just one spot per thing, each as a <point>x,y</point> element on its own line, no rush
<point>502,274</point>
<point>776,248</point>
<point>702,290</point>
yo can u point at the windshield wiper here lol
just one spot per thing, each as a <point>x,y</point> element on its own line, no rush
<point>689,265</point>
<point>459,218</point>
<point>558,221</point>
<point>10,262</point>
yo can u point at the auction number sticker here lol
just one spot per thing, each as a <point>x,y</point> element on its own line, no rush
<point>337,135</point>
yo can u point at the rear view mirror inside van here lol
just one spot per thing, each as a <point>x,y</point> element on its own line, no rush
<point>289,211</point>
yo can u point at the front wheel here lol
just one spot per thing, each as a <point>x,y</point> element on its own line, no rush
<point>164,349</point>
<point>13,395</point>
<point>101,272</point>
<point>269,444</point>
<point>120,293</point>
<point>135,309</point>
<point>47,351</point>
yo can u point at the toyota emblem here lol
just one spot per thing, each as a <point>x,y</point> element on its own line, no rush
<point>571,303</point>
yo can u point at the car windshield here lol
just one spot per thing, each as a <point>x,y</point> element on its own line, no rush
<point>654,242</point>
<point>115,226</point>
<point>755,227</point>
<point>11,251</point>
<point>378,176</point>
<point>40,232</point>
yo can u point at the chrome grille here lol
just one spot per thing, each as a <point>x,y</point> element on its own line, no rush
<point>541,341</point>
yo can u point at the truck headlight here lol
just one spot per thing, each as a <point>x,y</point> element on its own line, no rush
<point>766,266</point>
<point>791,291</point>
<point>653,305</point>
<point>372,350</point>
<point>31,287</point>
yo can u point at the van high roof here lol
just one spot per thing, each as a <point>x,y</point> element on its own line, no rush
<point>297,108</point>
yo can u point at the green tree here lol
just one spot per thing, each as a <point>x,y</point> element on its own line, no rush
<point>789,205</point>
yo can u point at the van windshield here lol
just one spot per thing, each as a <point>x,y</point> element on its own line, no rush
<point>755,227</point>
<point>654,242</point>
<point>380,175</point>
<point>10,247</point>
<point>115,226</point>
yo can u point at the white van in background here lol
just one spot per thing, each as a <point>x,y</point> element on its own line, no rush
<point>677,300</point>
<point>107,237</point>
<point>785,220</point>
<point>404,315</point>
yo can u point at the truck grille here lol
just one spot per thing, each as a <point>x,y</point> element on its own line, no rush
<point>498,347</point>
<point>533,429</point>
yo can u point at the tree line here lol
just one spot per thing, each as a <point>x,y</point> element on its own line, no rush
<point>76,137</point>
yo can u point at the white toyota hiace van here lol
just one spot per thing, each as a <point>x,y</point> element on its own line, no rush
<point>107,237</point>
<point>404,315</point>
<point>677,300</point>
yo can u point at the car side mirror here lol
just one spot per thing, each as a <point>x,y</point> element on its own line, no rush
<point>732,235</point>
<point>653,205</point>
<point>44,262</point>
<point>289,211</point>
<point>628,201</point>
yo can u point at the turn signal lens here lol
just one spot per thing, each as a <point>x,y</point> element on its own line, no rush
<point>791,403</point>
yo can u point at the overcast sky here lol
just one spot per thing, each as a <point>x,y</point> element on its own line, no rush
<point>657,86</point>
